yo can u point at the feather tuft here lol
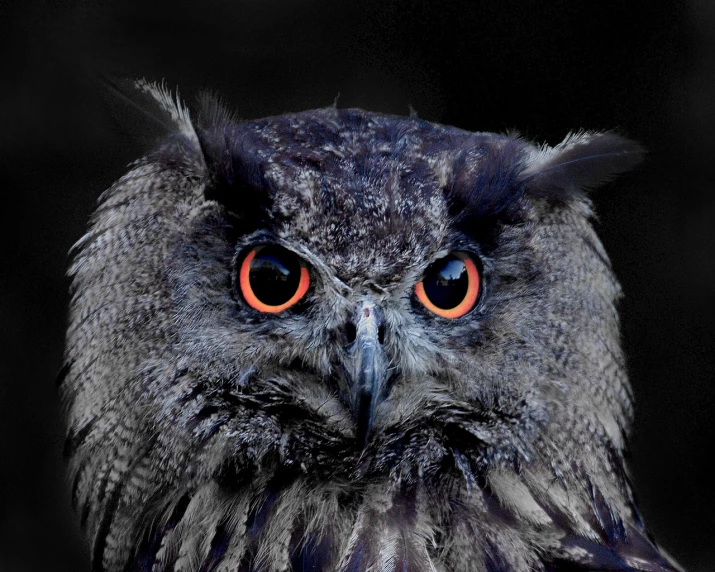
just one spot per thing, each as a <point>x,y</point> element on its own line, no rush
<point>171,105</point>
<point>581,162</point>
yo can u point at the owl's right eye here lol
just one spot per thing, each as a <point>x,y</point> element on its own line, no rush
<point>451,286</point>
<point>272,279</point>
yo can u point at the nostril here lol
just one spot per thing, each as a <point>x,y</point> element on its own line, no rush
<point>381,334</point>
<point>350,332</point>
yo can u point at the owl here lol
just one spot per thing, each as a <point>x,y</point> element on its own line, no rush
<point>345,341</point>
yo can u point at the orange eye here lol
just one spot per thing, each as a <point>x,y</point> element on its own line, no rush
<point>450,287</point>
<point>272,279</point>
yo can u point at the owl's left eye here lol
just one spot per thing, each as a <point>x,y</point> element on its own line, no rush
<point>272,279</point>
<point>451,285</point>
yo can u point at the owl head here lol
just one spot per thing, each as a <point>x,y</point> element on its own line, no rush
<point>341,340</point>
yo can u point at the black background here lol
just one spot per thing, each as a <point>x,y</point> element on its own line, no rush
<point>544,68</point>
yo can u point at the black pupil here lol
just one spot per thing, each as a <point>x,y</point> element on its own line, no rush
<point>274,275</point>
<point>446,282</point>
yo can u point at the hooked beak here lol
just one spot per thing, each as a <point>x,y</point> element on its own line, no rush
<point>367,368</point>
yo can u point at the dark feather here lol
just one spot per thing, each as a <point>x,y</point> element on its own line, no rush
<point>236,173</point>
<point>579,163</point>
<point>632,553</point>
<point>147,551</point>
<point>311,555</point>
<point>219,545</point>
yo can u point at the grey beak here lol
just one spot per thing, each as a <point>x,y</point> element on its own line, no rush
<point>367,368</point>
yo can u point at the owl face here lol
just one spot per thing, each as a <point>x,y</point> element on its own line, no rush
<point>396,293</point>
<point>343,340</point>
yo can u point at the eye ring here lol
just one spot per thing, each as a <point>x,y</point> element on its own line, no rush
<point>282,260</point>
<point>469,281</point>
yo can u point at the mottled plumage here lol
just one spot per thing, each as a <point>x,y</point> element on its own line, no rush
<point>206,435</point>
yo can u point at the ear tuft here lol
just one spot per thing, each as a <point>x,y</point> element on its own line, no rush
<point>214,113</point>
<point>148,112</point>
<point>232,162</point>
<point>171,106</point>
<point>579,163</point>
